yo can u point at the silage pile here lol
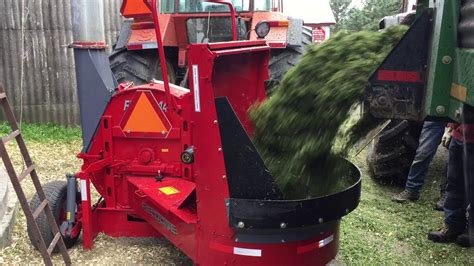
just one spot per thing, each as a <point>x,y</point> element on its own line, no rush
<point>297,127</point>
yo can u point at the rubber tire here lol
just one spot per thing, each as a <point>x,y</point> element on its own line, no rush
<point>55,193</point>
<point>282,60</point>
<point>391,153</point>
<point>139,67</point>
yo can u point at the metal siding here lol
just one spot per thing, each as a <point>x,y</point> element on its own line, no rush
<point>49,81</point>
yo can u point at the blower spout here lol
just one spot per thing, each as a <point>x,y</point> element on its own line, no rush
<point>95,81</point>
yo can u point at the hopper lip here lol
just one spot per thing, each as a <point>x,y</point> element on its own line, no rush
<point>264,214</point>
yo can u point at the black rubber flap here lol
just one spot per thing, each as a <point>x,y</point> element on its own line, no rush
<point>247,175</point>
<point>252,214</point>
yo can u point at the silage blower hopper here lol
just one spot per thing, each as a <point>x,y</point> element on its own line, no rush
<point>178,163</point>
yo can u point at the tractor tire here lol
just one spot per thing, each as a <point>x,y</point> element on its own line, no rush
<point>56,194</point>
<point>391,153</point>
<point>282,60</point>
<point>139,67</point>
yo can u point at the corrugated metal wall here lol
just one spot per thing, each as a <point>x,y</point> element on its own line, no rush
<point>36,67</point>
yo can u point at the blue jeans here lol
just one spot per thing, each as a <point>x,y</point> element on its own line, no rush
<point>460,178</point>
<point>430,138</point>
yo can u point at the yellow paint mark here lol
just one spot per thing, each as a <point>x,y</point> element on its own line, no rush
<point>459,92</point>
<point>68,216</point>
<point>169,190</point>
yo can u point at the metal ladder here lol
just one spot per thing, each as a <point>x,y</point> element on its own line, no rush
<point>16,182</point>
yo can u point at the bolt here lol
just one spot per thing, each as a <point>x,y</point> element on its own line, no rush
<point>224,177</point>
<point>215,122</point>
<point>347,211</point>
<point>458,113</point>
<point>236,240</point>
<point>220,149</point>
<point>227,204</point>
<point>447,59</point>
<point>283,225</point>
<point>440,109</point>
<point>320,220</point>
<point>240,225</point>
<point>283,241</point>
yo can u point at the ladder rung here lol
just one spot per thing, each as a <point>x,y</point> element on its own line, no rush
<point>53,243</point>
<point>3,95</point>
<point>40,208</point>
<point>12,135</point>
<point>26,172</point>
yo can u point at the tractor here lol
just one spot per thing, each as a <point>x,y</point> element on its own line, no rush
<point>185,22</point>
<point>391,153</point>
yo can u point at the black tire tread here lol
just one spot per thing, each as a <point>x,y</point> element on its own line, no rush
<point>55,192</point>
<point>392,152</point>
<point>283,60</point>
<point>139,67</point>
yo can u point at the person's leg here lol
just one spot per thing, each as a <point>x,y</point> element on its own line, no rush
<point>443,182</point>
<point>467,239</point>
<point>454,207</point>
<point>430,139</point>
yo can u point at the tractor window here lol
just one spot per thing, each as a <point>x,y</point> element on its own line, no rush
<point>262,5</point>
<point>214,29</point>
<point>166,7</point>
<point>199,6</point>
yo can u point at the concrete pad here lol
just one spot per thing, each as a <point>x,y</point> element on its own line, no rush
<point>8,209</point>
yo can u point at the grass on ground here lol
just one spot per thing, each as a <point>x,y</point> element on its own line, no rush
<point>377,232</point>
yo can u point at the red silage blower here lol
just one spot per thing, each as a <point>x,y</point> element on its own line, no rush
<point>178,163</point>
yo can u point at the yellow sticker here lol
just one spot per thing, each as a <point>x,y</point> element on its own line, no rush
<point>165,150</point>
<point>169,190</point>
<point>68,216</point>
<point>459,92</point>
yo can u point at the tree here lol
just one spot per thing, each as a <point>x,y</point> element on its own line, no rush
<point>340,8</point>
<point>369,16</point>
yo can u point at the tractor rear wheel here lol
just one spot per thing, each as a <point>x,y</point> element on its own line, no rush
<point>391,153</point>
<point>139,67</point>
<point>282,60</point>
<point>56,194</point>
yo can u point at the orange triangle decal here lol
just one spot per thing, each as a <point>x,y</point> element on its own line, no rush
<point>144,118</point>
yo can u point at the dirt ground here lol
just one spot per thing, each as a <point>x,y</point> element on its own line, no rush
<point>378,232</point>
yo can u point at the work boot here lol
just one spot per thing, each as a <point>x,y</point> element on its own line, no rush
<point>464,240</point>
<point>440,204</point>
<point>405,196</point>
<point>444,235</point>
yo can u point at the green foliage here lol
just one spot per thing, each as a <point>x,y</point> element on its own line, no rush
<point>368,17</point>
<point>297,127</point>
<point>340,8</point>
<point>45,132</point>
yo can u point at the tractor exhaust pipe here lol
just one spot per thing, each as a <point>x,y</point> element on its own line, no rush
<point>95,81</point>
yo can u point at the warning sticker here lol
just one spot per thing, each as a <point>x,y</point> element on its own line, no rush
<point>169,190</point>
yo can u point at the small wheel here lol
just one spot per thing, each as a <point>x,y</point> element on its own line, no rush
<point>56,194</point>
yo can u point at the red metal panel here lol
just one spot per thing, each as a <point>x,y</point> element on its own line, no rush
<point>400,76</point>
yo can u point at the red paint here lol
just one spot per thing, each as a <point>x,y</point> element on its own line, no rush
<point>399,76</point>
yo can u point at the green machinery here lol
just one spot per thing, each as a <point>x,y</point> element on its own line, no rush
<point>431,71</point>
